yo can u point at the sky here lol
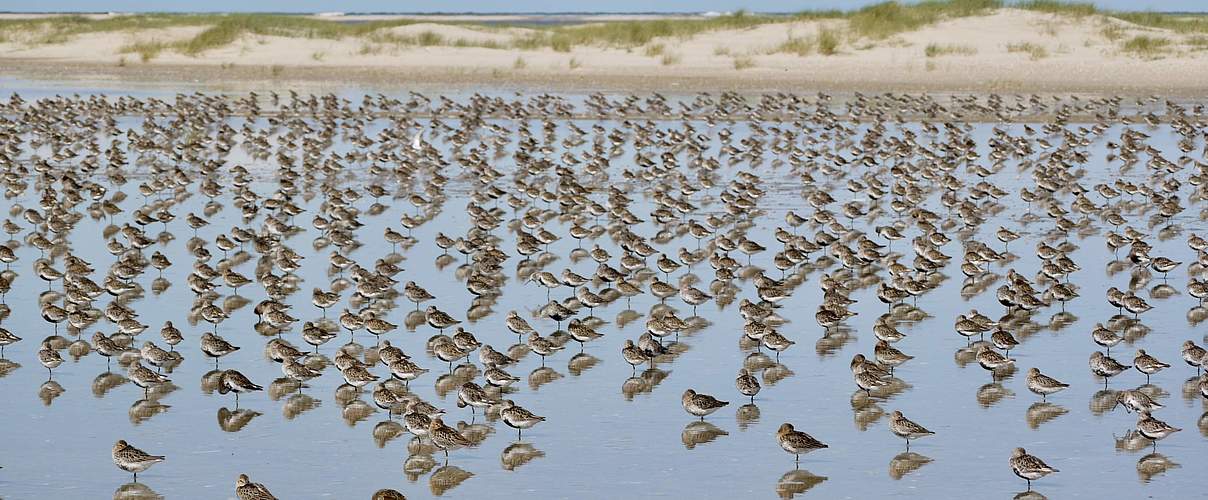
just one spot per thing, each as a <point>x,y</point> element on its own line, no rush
<point>498,6</point>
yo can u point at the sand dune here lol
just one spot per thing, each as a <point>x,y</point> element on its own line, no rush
<point>1007,49</point>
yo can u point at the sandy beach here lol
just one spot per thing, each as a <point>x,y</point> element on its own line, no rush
<point>1002,50</point>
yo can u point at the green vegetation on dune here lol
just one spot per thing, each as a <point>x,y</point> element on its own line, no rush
<point>1146,46</point>
<point>890,18</point>
<point>874,22</point>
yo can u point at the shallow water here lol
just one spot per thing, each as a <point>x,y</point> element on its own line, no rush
<point>611,432</point>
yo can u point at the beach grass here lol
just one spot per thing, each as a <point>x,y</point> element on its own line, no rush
<point>743,62</point>
<point>1034,51</point>
<point>937,50</point>
<point>1146,46</point>
<point>874,22</point>
<point>800,46</point>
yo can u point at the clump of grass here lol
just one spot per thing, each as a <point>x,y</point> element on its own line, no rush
<point>318,55</point>
<point>1077,9</point>
<point>276,70</point>
<point>936,50</point>
<point>743,62</point>
<point>623,34</point>
<point>800,46</point>
<point>519,63</point>
<point>1112,31</point>
<point>1034,51</point>
<point>655,50</point>
<point>369,48</point>
<point>1146,46</point>
<point>828,42</point>
<point>721,50</point>
<point>428,39</point>
<point>889,18</point>
<point>560,45</point>
<point>670,59</point>
<point>1179,23</point>
<point>1198,42</point>
<point>575,63</point>
<point>146,50</point>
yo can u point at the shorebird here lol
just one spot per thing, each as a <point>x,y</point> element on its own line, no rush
<point>518,418</point>
<point>1042,384</point>
<point>1029,467</point>
<point>796,442</point>
<point>236,382</point>
<point>1105,366</point>
<point>144,377</point>
<point>387,494</point>
<point>1194,355</point>
<point>991,360</point>
<point>473,395</point>
<point>747,384</point>
<point>439,319</point>
<point>6,339</point>
<point>245,489</point>
<point>542,346</point>
<point>416,294</point>
<point>49,357</point>
<point>131,459</point>
<point>446,438</point>
<point>700,405</point>
<point>633,355</point>
<point>1152,428</point>
<point>1147,364</point>
<point>1136,401</point>
<point>905,428</point>
<point>216,347</point>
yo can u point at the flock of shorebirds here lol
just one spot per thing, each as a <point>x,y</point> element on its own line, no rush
<point>656,199</point>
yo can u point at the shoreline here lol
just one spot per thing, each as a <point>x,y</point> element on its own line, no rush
<point>243,78</point>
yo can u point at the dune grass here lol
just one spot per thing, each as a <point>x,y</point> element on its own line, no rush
<point>828,42</point>
<point>1146,46</point>
<point>743,62</point>
<point>1034,51</point>
<point>890,18</point>
<point>796,45</point>
<point>147,50</point>
<point>1178,23</point>
<point>937,50</point>
<point>1078,9</point>
<point>873,22</point>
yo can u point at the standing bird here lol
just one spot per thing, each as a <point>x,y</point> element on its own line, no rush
<point>1042,384</point>
<point>446,438</point>
<point>236,382</point>
<point>131,459</point>
<point>1106,366</point>
<point>1152,428</point>
<point>245,489</point>
<point>1147,364</point>
<point>49,357</point>
<point>1029,467</point>
<point>633,355</point>
<point>216,347</point>
<point>1194,355</point>
<point>700,405</point>
<point>518,418</point>
<point>797,442</point>
<point>905,428</point>
<point>747,384</point>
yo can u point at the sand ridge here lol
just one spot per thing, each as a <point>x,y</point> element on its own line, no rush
<point>1005,49</point>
